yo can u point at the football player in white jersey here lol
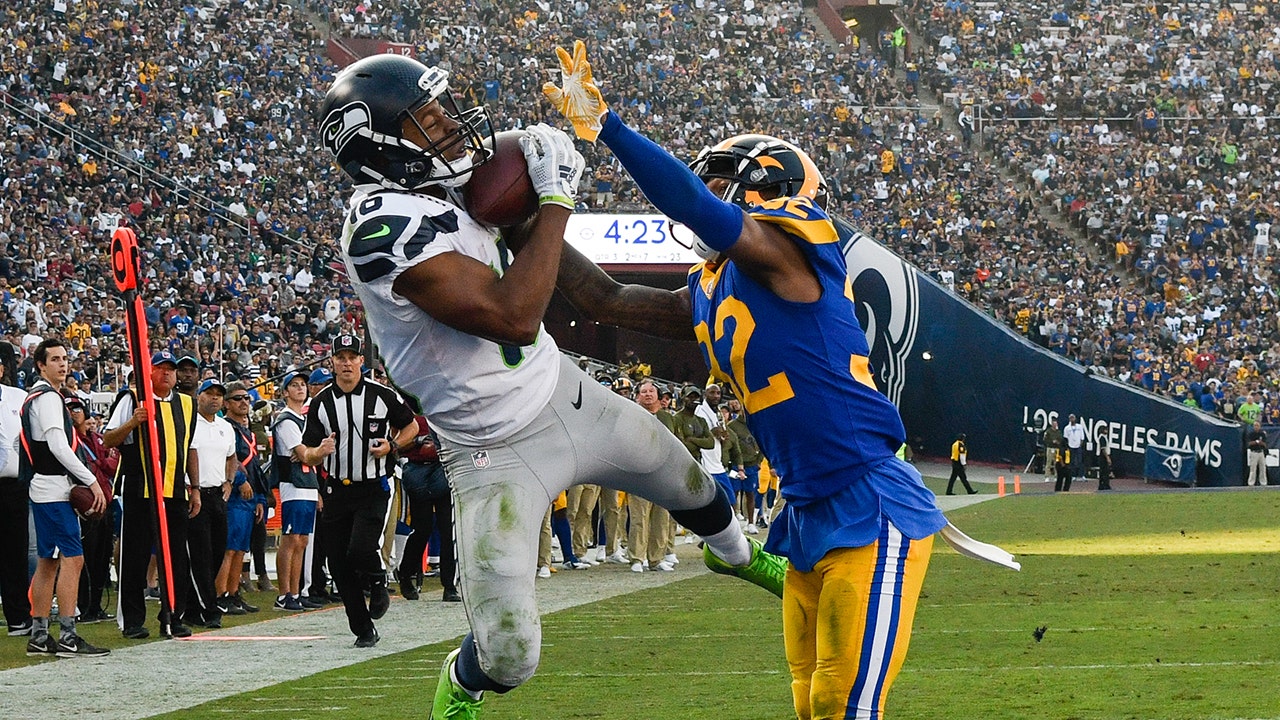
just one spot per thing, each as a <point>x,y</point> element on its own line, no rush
<point>459,326</point>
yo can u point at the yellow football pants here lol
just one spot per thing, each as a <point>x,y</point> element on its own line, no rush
<point>847,624</point>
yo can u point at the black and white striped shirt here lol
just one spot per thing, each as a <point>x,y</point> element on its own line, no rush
<point>368,412</point>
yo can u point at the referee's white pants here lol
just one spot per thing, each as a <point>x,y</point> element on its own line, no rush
<point>501,491</point>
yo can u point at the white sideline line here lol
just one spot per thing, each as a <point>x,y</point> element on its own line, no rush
<point>263,711</point>
<point>1097,666</point>
<point>139,680</point>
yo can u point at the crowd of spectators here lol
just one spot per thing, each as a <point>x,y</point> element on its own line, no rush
<point>192,123</point>
<point>1150,129</point>
<point>204,109</point>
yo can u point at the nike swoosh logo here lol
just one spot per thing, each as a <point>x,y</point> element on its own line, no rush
<point>385,231</point>
<point>577,404</point>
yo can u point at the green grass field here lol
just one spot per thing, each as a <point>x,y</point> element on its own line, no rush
<point>1158,606</point>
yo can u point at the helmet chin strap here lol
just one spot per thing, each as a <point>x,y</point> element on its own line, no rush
<point>462,166</point>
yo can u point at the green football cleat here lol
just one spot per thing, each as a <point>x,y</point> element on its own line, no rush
<point>765,569</point>
<point>452,702</point>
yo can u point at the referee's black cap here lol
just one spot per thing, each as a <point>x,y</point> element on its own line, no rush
<point>347,342</point>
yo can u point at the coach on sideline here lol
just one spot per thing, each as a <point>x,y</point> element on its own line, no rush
<point>354,426</point>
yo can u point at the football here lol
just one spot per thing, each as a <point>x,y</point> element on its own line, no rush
<point>499,192</point>
<point>81,501</point>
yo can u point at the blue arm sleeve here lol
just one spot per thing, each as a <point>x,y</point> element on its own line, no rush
<point>672,187</point>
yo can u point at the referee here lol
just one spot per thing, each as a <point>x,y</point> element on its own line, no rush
<point>354,427</point>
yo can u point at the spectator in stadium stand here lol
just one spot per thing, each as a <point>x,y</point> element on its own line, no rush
<point>1256,442</point>
<point>96,534</point>
<point>1188,218</point>
<point>175,419</point>
<point>214,443</point>
<point>15,578</point>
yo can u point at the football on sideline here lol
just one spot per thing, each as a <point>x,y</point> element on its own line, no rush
<point>499,192</point>
<point>82,502</point>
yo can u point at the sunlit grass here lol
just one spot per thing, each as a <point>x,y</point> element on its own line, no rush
<point>1141,621</point>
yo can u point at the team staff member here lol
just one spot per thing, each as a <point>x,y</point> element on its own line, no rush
<point>246,505</point>
<point>650,522</point>
<point>48,458</point>
<point>215,444</point>
<point>749,457</point>
<point>354,426</point>
<point>315,581</point>
<point>175,426</point>
<point>299,495</point>
<point>430,509</point>
<point>772,309</point>
<point>959,458</point>
<point>15,572</point>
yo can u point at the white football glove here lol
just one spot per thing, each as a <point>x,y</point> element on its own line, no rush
<point>555,166</point>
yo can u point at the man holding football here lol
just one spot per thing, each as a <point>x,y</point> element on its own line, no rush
<point>459,325</point>
<point>46,459</point>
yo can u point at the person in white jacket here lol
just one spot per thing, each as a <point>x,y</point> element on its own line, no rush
<point>47,460</point>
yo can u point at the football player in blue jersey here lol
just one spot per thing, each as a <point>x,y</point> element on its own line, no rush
<point>772,309</point>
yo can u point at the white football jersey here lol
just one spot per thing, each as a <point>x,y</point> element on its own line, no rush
<point>473,391</point>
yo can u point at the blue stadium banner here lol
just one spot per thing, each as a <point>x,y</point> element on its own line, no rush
<point>1169,465</point>
<point>952,369</point>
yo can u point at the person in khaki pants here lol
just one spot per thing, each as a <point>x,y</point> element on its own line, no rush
<point>581,501</point>
<point>652,529</point>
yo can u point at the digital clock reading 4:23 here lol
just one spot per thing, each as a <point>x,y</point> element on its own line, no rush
<point>643,231</point>
<point>628,239</point>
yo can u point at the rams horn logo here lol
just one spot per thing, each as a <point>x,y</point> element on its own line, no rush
<point>345,123</point>
<point>887,302</point>
<point>1174,464</point>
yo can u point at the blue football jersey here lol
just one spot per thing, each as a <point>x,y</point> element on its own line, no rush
<point>801,370</point>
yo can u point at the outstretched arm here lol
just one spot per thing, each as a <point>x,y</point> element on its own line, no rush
<point>653,311</point>
<point>761,250</point>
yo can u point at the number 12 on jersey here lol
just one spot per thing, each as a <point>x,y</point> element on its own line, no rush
<point>778,387</point>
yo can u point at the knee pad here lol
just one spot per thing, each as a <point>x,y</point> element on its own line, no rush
<point>510,656</point>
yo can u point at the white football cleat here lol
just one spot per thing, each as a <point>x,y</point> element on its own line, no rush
<point>664,566</point>
<point>544,572</point>
<point>637,566</point>
<point>671,559</point>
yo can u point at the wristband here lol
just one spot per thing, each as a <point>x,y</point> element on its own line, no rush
<point>561,200</point>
